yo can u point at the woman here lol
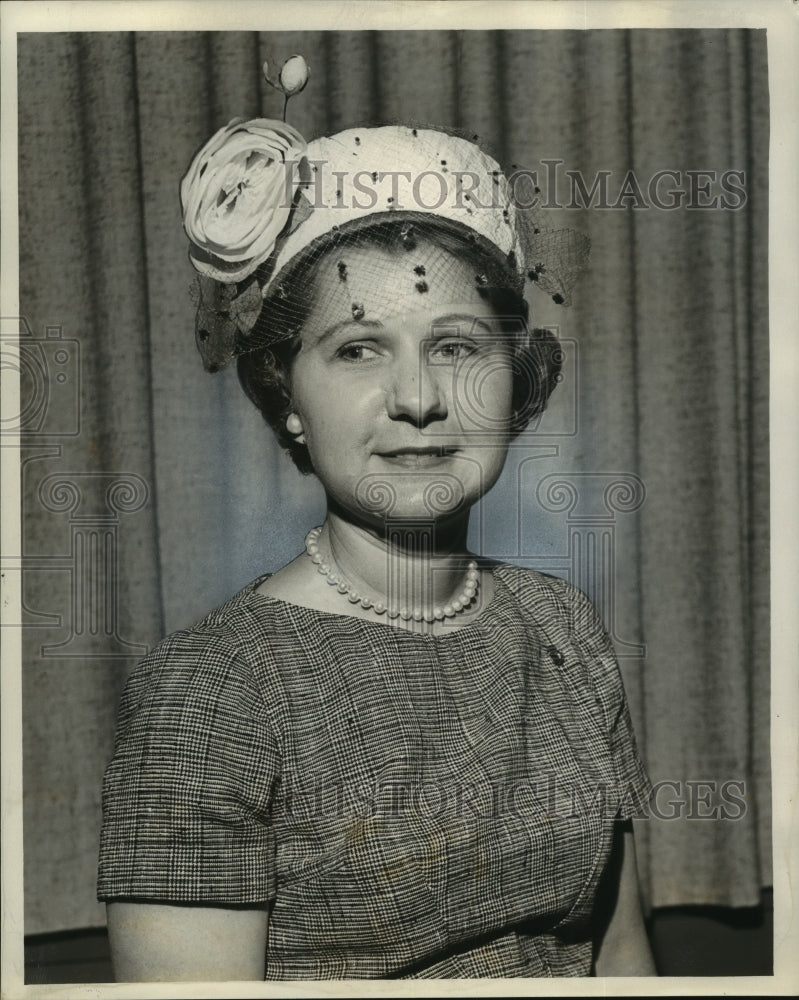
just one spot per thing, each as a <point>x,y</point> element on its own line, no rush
<point>391,758</point>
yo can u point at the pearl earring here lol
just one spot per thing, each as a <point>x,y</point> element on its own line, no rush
<point>294,426</point>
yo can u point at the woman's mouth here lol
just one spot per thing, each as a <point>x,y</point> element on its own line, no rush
<point>415,458</point>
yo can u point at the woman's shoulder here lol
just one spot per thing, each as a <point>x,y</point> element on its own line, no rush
<point>557,607</point>
<point>215,644</point>
<point>527,584</point>
<point>227,625</point>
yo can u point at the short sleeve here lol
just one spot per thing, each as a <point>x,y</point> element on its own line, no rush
<point>188,793</point>
<point>633,786</point>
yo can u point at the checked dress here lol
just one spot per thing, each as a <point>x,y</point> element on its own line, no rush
<point>408,805</point>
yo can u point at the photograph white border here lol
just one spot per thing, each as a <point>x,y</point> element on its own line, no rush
<point>781,20</point>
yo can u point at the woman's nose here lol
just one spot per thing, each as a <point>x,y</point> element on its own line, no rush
<point>414,390</point>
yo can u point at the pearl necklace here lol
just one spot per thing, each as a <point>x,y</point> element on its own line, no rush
<point>438,613</point>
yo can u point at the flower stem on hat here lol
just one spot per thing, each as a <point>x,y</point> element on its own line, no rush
<point>291,79</point>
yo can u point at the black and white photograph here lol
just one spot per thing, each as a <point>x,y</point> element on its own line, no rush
<point>399,483</point>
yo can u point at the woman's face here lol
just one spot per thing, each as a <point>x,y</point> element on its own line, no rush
<point>402,387</point>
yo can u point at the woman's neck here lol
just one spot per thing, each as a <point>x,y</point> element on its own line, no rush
<point>406,564</point>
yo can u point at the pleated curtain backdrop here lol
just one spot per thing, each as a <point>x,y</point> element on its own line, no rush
<point>152,491</point>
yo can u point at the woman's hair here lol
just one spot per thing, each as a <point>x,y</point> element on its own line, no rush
<point>265,373</point>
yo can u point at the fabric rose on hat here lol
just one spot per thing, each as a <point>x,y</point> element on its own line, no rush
<point>237,195</point>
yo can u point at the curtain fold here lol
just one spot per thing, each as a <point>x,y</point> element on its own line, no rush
<point>173,494</point>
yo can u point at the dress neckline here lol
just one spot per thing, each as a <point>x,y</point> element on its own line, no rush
<point>501,591</point>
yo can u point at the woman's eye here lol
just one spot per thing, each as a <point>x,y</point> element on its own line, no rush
<point>356,352</point>
<point>454,350</point>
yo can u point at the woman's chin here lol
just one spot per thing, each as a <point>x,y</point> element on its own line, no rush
<point>408,493</point>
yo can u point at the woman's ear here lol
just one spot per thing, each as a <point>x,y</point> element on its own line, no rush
<point>294,427</point>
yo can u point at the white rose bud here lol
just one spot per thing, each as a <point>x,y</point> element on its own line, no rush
<point>294,75</point>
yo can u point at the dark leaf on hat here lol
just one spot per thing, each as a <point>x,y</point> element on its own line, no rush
<point>216,336</point>
<point>215,295</point>
<point>301,210</point>
<point>246,307</point>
